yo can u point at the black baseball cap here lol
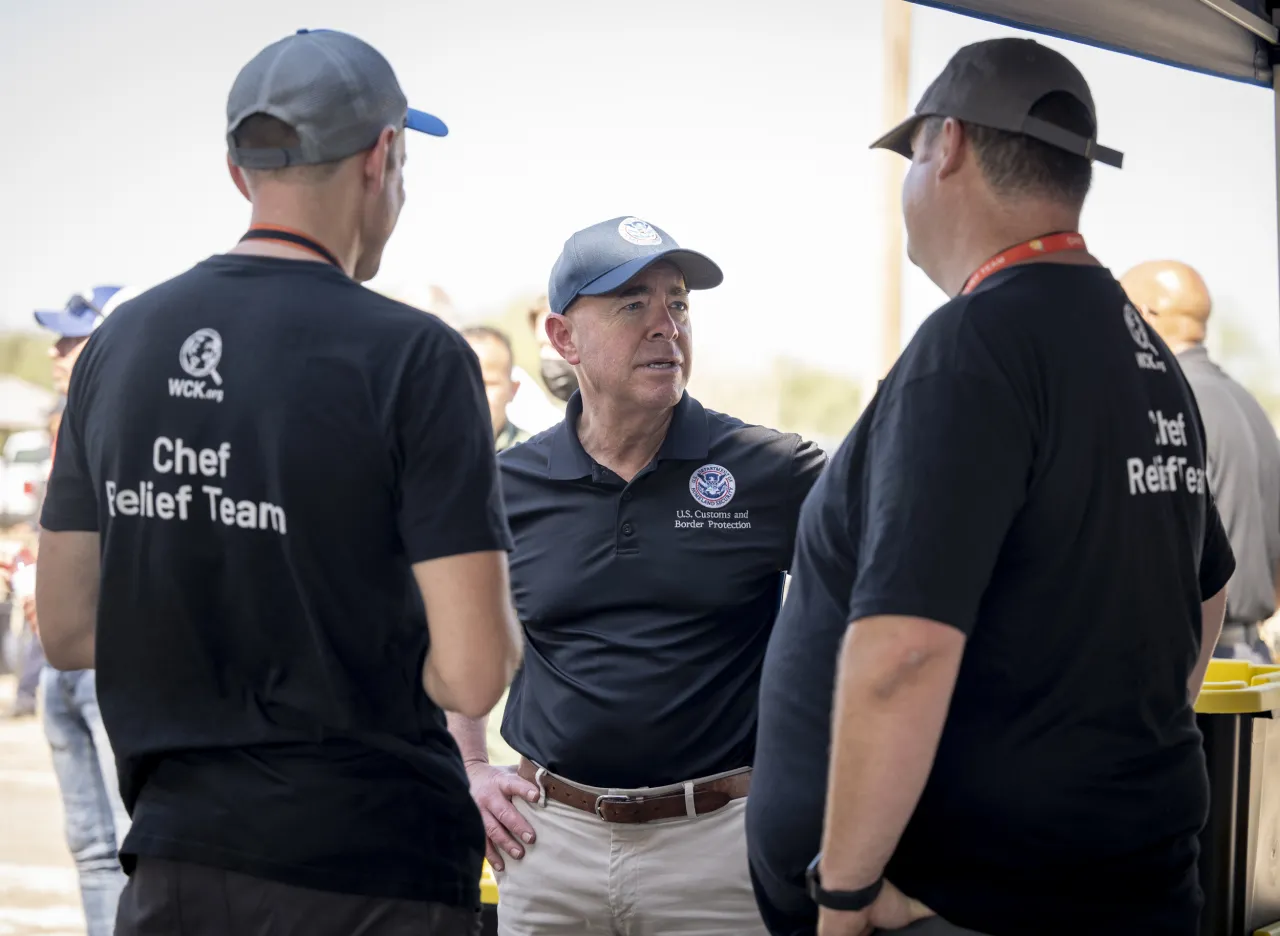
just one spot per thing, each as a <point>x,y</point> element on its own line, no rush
<point>605,256</point>
<point>995,84</point>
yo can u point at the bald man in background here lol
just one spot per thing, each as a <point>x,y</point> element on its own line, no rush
<point>1243,451</point>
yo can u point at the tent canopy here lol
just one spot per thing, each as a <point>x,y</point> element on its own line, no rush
<point>1229,38</point>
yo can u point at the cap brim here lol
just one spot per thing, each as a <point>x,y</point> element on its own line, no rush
<point>898,140</point>
<point>66,324</point>
<point>425,123</point>
<point>700,272</point>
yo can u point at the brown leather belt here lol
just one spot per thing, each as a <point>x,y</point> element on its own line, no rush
<point>708,796</point>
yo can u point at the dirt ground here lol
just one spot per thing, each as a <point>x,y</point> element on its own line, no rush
<point>38,892</point>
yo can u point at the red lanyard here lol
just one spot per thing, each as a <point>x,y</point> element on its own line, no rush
<point>284,235</point>
<point>1037,247</point>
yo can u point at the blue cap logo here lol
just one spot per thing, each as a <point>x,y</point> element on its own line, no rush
<point>640,233</point>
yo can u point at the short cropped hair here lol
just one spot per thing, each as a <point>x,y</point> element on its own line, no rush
<point>488,333</point>
<point>1018,165</point>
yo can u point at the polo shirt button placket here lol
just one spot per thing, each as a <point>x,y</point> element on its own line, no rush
<point>626,527</point>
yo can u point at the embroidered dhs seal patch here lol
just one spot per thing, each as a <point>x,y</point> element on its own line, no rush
<point>712,486</point>
<point>640,233</point>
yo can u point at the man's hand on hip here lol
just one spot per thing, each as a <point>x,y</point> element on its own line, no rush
<point>492,788</point>
<point>892,910</point>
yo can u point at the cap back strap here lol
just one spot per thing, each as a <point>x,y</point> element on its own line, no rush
<point>1071,142</point>
<point>274,158</point>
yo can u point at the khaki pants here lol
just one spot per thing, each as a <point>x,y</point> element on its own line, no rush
<point>684,877</point>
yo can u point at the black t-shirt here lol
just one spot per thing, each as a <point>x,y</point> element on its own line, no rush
<point>1031,473</point>
<point>647,606</point>
<point>266,447</point>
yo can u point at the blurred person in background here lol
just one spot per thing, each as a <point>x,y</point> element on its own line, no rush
<point>96,819</point>
<point>28,655</point>
<point>979,698</point>
<point>493,349</point>
<point>539,403</point>
<point>73,324</point>
<point>557,374</point>
<point>651,541</point>
<point>22,647</point>
<point>275,524</point>
<point>1244,453</point>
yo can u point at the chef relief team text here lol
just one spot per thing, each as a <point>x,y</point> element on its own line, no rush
<point>173,457</point>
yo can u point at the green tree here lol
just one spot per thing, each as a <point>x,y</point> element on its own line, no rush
<point>26,355</point>
<point>1252,362</point>
<point>815,401</point>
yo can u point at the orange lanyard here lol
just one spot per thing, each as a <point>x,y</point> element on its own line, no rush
<point>284,235</point>
<point>1037,247</point>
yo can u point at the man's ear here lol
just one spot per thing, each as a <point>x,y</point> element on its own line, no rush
<point>378,161</point>
<point>952,146</point>
<point>237,176</point>
<point>560,334</point>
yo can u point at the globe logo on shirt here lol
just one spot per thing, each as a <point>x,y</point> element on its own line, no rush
<point>640,233</point>
<point>1137,328</point>
<point>201,353</point>
<point>712,486</point>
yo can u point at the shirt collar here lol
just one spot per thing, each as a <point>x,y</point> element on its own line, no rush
<point>688,437</point>
<point>507,437</point>
<point>1194,353</point>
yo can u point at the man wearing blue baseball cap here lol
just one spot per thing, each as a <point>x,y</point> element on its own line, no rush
<point>73,324</point>
<point>652,537</point>
<point>94,815</point>
<point>286,525</point>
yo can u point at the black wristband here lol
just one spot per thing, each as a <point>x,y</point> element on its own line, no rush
<point>848,901</point>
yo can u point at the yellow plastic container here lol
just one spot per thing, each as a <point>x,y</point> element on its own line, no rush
<point>1238,687</point>
<point>488,885</point>
<point>1240,845</point>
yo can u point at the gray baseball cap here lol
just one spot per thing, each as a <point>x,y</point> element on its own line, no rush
<point>995,84</point>
<point>605,256</point>
<point>336,91</point>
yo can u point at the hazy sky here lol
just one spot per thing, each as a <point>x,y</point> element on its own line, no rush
<point>740,126</point>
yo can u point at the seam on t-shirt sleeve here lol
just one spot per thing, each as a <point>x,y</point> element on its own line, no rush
<point>917,606</point>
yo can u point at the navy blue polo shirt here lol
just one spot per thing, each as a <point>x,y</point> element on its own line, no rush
<point>647,606</point>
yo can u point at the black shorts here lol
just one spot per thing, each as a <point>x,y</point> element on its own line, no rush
<point>172,898</point>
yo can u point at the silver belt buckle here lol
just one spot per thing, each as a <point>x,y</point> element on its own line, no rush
<point>611,798</point>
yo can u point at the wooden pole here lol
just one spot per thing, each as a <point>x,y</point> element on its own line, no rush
<point>895,107</point>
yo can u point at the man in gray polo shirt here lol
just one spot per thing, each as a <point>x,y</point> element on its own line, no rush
<point>1244,455</point>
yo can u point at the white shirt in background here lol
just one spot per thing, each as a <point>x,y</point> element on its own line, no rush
<point>532,409</point>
